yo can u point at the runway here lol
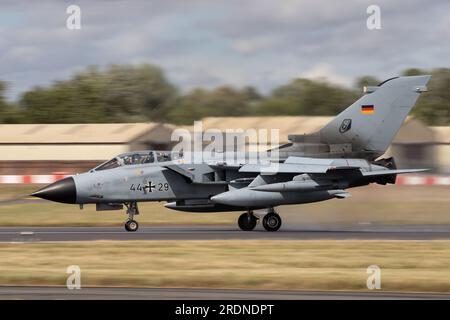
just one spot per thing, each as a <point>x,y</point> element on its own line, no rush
<point>185,232</point>
<point>40,293</point>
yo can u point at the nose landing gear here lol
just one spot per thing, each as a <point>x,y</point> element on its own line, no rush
<point>131,225</point>
<point>132,210</point>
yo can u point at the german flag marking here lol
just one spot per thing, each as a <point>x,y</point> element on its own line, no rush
<point>367,109</point>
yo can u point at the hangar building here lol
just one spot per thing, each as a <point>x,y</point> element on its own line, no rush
<point>69,148</point>
<point>47,148</point>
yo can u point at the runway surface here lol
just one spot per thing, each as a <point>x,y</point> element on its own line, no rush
<point>386,232</point>
<point>37,293</point>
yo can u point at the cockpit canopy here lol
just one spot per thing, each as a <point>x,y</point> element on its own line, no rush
<point>139,157</point>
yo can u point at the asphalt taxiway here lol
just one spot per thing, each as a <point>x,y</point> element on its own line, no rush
<point>202,232</point>
<point>114,293</point>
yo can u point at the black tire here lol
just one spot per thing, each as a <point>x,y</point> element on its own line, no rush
<point>131,226</point>
<point>272,221</point>
<point>247,222</point>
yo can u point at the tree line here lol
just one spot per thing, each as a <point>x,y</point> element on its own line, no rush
<point>138,93</point>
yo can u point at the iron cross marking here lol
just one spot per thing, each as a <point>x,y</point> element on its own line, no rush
<point>149,187</point>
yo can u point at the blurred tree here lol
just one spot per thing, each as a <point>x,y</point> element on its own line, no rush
<point>307,97</point>
<point>222,101</point>
<point>137,92</point>
<point>413,72</point>
<point>433,107</point>
<point>8,110</point>
<point>124,93</point>
<point>3,104</point>
<point>118,94</point>
<point>366,81</point>
<point>252,94</point>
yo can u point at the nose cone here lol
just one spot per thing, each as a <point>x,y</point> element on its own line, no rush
<point>63,190</point>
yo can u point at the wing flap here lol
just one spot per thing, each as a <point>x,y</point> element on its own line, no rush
<point>309,161</point>
<point>284,168</point>
<point>181,171</point>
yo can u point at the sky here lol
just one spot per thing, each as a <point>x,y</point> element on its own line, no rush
<point>207,43</point>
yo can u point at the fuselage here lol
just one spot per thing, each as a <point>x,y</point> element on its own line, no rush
<point>216,183</point>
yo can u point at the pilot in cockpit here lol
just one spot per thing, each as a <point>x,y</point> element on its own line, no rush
<point>148,158</point>
<point>135,158</point>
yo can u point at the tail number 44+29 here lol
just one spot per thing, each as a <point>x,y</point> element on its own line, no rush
<point>150,187</point>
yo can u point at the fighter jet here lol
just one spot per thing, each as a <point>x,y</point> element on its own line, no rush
<point>345,153</point>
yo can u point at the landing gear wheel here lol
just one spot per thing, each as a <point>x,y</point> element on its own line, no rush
<point>247,222</point>
<point>132,210</point>
<point>131,225</point>
<point>272,221</point>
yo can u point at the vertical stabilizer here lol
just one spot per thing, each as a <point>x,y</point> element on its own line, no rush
<point>371,123</point>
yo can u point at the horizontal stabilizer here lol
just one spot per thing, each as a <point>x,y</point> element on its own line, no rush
<point>387,172</point>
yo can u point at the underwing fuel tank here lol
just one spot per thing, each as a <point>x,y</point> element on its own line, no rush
<point>200,206</point>
<point>310,185</point>
<point>251,198</point>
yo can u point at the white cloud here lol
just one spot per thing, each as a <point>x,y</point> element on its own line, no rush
<point>209,75</point>
<point>323,71</point>
<point>26,54</point>
<point>251,45</point>
<point>264,43</point>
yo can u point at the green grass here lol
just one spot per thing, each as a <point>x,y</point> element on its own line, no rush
<point>376,204</point>
<point>53,214</point>
<point>264,264</point>
<point>12,191</point>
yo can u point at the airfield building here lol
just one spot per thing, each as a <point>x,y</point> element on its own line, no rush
<point>49,148</point>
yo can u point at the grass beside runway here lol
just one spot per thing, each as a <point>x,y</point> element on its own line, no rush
<point>264,264</point>
<point>377,204</point>
<point>45,213</point>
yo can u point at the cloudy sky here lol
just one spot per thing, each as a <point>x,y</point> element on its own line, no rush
<point>212,42</point>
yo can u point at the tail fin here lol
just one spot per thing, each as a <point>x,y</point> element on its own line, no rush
<point>371,123</point>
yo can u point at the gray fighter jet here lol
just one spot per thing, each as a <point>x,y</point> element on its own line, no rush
<point>314,167</point>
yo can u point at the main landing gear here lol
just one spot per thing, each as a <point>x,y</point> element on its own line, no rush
<point>132,210</point>
<point>247,221</point>
<point>271,221</point>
